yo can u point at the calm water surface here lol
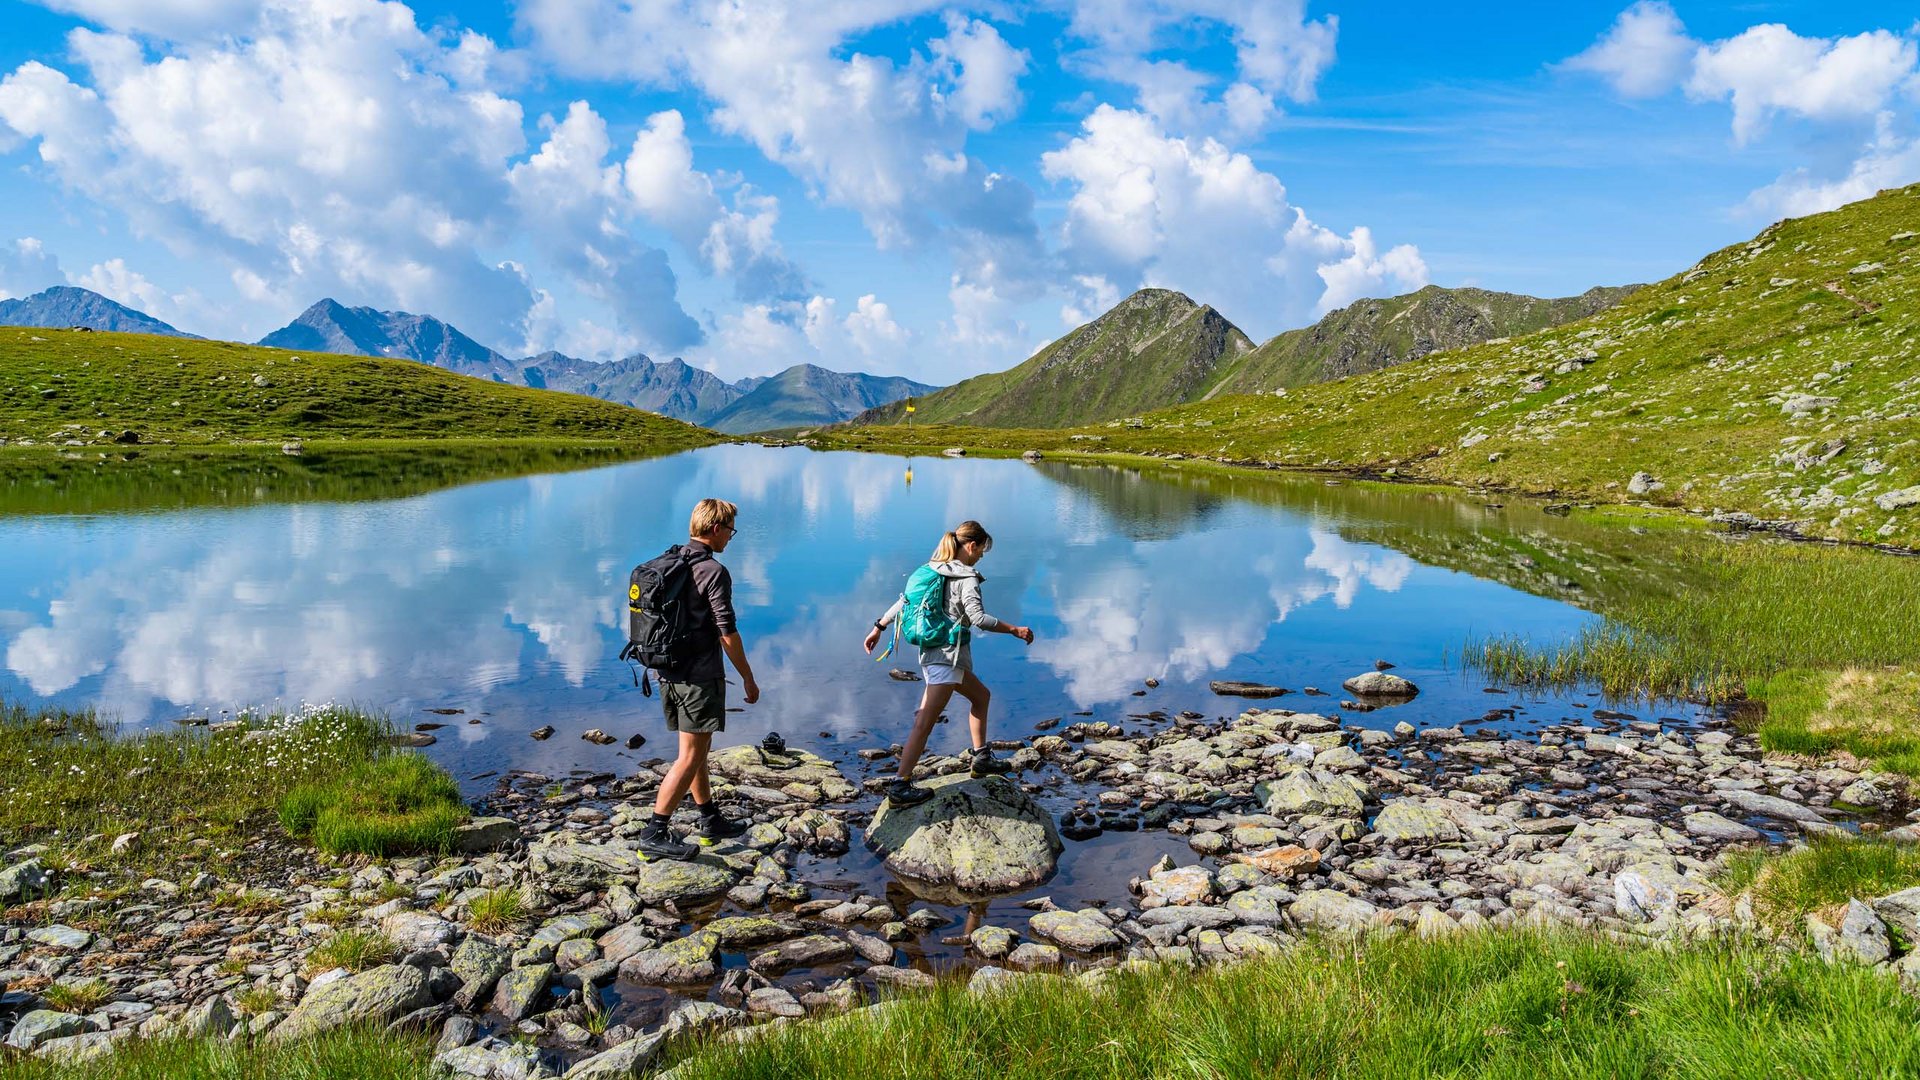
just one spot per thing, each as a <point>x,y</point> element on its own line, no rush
<point>505,599</point>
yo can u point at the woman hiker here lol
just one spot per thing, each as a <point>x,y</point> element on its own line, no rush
<point>942,607</point>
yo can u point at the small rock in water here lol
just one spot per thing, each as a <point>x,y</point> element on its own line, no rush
<point>1379,684</point>
<point>1381,665</point>
<point>636,741</point>
<point>411,738</point>
<point>445,712</point>
<point>1236,688</point>
<point>597,737</point>
<point>545,731</point>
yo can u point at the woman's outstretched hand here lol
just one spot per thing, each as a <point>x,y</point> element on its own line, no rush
<point>1024,633</point>
<point>873,638</point>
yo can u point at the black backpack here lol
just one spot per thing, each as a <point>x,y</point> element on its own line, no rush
<point>664,631</point>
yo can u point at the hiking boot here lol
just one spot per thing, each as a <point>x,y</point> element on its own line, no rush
<point>905,793</point>
<point>717,828</point>
<point>662,845</point>
<point>985,764</point>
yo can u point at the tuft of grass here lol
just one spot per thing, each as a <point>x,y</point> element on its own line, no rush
<point>190,793</point>
<point>255,1000</point>
<point>357,1053</point>
<point>498,910</point>
<point>77,997</point>
<point>1828,870</point>
<point>396,804</point>
<point>1504,1005</point>
<point>245,901</point>
<point>353,949</point>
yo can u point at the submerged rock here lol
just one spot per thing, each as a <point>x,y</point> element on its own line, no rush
<point>973,838</point>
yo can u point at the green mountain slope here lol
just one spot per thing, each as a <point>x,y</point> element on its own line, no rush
<point>1778,377</point>
<point>1371,334</point>
<point>59,387</point>
<point>1154,348</point>
<point>805,395</point>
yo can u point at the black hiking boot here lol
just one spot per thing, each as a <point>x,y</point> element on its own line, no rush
<point>985,764</point>
<point>662,845</point>
<point>717,828</point>
<point>905,793</point>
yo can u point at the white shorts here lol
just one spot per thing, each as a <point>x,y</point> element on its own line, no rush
<point>943,674</point>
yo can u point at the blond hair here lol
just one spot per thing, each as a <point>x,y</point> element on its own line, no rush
<point>967,532</point>
<point>711,514</point>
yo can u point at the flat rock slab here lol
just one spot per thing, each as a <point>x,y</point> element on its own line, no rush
<point>1771,806</point>
<point>810,951</point>
<point>1236,688</point>
<point>376,997</point>
<point>973,839</point>
<point>683,884</point>
<point>748,766</point>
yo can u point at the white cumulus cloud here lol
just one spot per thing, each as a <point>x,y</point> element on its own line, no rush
<point>1647,51</point>
<point>1151,209</point>
<point>26,267</point>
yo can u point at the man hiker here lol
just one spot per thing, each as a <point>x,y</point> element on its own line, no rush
<point>693,686</point>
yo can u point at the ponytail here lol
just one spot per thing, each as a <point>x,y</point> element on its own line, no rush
<point>967,532</point>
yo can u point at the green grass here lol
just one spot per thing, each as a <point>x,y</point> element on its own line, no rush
<point>36,481</point>
<point>391,805</point>
<point>1492,1005</point>
<point>1686,380</point>
<point>57,385</point>
<point>195,797</point>
<point>1871,713</point>
<point>353,949</point>
<point>1811,879</point>
<point>341,1055</point>
<point>498,910</point>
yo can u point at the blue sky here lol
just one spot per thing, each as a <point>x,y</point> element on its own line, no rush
<point>910,187</point>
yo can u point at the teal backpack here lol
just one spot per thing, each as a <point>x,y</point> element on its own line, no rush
<point>923,617</point>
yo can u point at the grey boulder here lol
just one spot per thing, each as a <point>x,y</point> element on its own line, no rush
<point>973,838</point>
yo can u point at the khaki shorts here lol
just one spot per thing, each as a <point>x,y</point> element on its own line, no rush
<point>695,708</point>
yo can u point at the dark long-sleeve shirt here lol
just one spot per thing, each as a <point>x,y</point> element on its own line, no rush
<point>713,614</point>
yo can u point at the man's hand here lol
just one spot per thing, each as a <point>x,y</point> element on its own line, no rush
<point>873,638</point>
<point>750,690</point>
<point>1024,633</point>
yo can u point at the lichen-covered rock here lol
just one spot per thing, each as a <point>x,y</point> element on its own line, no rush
<point>624,1062</point>
<point>818,777</point>
<point>22,880</point>
<point>682,884</point>
<point>974,838</point>
<point>522,991</point>
<point>413,930</point>
<point>1380,684</point>
<point>565,864</point>
<point>378,996</point>
<point>810,951</point>
<point>1301,790</point>
<point>1332,911</point>
<point>680,962</point>
<point>43,1025</point>
<point>484,834</point>
<point>1412,820</point>
<point>478,963</point>
<point>1081,931</point>
<point>749,931</point>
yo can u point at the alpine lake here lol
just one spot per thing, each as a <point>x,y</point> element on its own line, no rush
<point>476,614</point>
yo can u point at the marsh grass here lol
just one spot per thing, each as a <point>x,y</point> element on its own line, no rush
<point>395,804</point>
<point>191,794</point>
<point>1786,886</point>
<point>1871,713</point>
<point>1498,1005</point>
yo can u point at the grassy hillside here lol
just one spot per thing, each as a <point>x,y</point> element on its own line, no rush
<point>1153,349</point>
<point>1778,377</point>
<point>67,387</point>
<point>1371,334</point>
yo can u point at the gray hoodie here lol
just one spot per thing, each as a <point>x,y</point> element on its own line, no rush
<point>963,607</point>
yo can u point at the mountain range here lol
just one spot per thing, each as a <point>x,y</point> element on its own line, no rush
<point>1158,348</point>
<point>65,305</point>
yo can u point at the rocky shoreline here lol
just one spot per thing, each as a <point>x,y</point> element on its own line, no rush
<point>1273,823</point>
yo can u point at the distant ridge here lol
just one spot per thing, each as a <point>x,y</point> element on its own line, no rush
<point>1368,335</point>
<point>66,306</point>
<point>801,395</point>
